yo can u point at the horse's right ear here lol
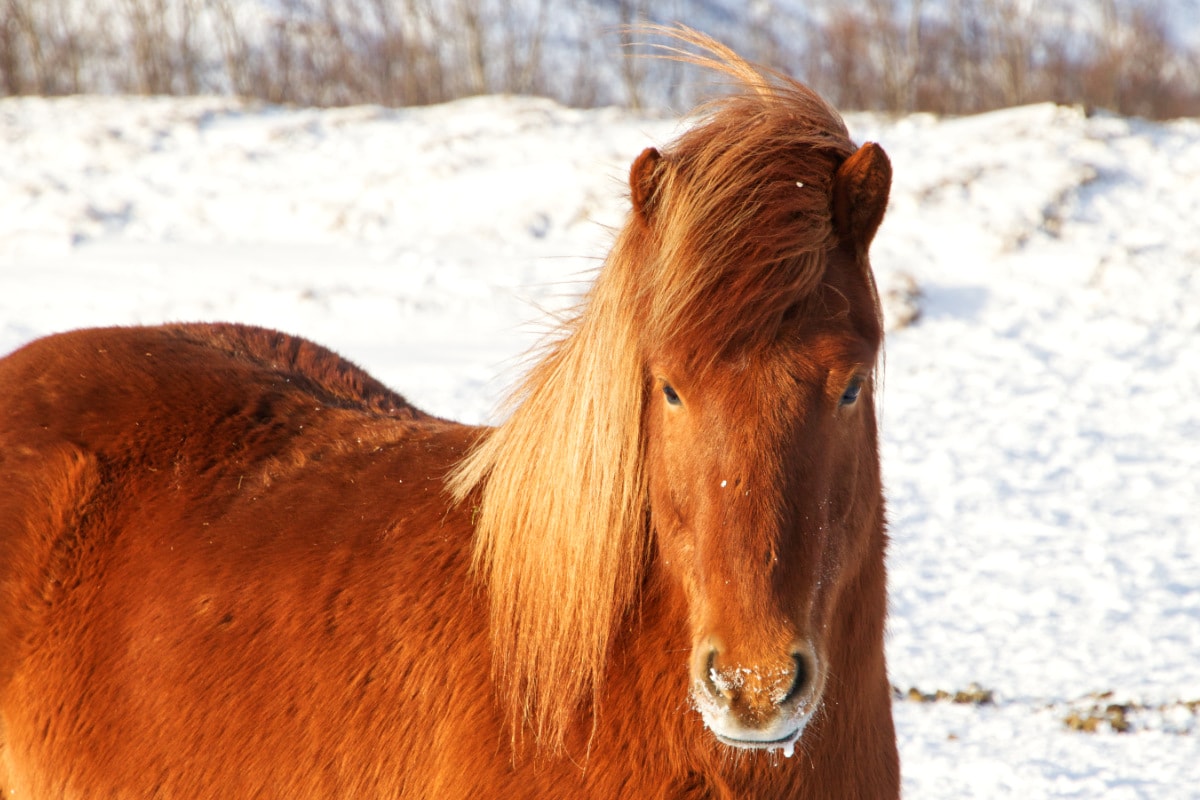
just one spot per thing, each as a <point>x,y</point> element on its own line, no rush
<point>643,182</point>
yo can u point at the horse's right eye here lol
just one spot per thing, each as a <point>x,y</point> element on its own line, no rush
<point>851,393</point>
<point>671,395</point>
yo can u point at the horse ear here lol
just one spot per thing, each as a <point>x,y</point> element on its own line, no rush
<point>860,193</point>
<point>643,182</point>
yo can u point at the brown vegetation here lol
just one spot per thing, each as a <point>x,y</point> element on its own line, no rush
<point>944,56</point>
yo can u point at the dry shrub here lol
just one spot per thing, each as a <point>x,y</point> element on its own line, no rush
<point>945,56</point>
<point>965,56</point>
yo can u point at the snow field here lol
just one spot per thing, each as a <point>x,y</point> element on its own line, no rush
<point>1040,421</point>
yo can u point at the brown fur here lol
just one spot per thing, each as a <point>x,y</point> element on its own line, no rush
<point>229,566</point>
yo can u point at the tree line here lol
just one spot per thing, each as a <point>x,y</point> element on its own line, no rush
<point>942,56</point>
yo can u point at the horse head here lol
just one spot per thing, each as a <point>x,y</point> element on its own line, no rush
<point>761,336</point>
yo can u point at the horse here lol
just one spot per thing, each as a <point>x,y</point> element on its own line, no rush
<point>233,564</point>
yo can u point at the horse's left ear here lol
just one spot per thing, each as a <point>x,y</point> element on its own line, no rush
<point>643,182</point>
<point>860,194</point>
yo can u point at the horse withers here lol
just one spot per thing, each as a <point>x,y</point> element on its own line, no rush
<point>234,565</point>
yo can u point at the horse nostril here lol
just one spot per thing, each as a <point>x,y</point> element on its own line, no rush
<point>802,677</point>
<point>710,671</point>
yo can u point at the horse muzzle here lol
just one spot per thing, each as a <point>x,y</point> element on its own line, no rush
<point>759,705</point>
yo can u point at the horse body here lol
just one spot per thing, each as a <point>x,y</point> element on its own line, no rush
<point>232,564</point>
<point>231,573</point>
<point>206,618</point>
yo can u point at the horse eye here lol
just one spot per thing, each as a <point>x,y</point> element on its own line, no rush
<point>851,393</point>
<point>672,397</point>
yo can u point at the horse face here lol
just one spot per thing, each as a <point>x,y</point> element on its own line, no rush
<point>763,480</point>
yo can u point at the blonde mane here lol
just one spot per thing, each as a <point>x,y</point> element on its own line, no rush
<point>737,231</point>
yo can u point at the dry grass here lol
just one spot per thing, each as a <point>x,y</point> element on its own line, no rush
<point>952,56</point>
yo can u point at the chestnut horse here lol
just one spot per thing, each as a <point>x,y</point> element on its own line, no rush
<point>234,565</point>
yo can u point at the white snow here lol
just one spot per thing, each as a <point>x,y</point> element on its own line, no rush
<point>1041,426</point>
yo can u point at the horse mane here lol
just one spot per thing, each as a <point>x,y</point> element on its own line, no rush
<point>744,204</point>
<point>732,234</point>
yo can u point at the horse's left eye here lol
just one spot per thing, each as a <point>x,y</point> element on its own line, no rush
<point>672,395</point>
<point>851,393</point>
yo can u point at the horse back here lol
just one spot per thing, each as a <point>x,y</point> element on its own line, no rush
<point>117,401</point>
<point>202,506</point>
